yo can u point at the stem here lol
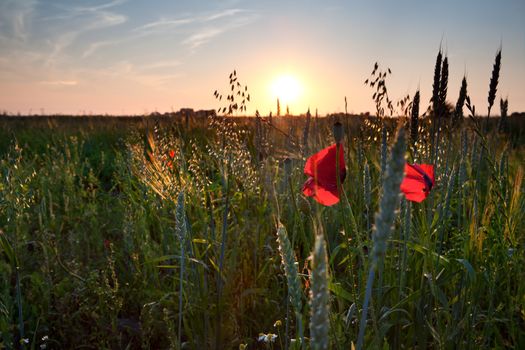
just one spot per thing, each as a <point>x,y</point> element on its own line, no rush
<point>221,263</point>
<point>19,302</point>
<point>181,277</point>
<point>368,294</point>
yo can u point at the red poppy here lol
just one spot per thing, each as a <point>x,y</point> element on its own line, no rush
<point>418,181</point>
<point>322,181</point>
<point>172,154</point>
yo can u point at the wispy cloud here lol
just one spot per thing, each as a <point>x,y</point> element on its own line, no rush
<point>201,37</point>
<point>86,20</point>
<point>15,18</point>
<point>214,24</point>
<point>222,14</point>
<point>208,33</point>
<point>164,24</point>
<point>161,65</point>
<point>60,83</point>
<point>103,6</point>
<point>93,47</point>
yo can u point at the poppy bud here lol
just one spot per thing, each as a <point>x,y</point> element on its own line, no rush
<point>338,132</point>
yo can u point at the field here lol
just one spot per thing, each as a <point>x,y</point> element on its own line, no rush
<point>165,233</point>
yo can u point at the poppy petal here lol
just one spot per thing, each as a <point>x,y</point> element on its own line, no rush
<point>429,170</point>
<point>322,165</point>
<point>321,194</point>
<point>413,189</point>
<point>321,169</point>
<point>418,181</point>
<point>417,197</point>
<point>308,187</point>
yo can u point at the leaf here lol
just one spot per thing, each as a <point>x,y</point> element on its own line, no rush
<point>470,270</point>
<point>8,249</point>
<point>340,291</point>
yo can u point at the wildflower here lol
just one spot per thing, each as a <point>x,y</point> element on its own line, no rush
<point>418,181</point>
<point>172,154</point>
<point>278,323</point>
<point>267,338</point>
<point>322,181</point>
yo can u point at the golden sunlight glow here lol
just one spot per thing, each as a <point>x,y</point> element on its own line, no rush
<point>286,88</point>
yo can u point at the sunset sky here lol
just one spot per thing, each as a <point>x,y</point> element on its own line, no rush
<point>136,57</point>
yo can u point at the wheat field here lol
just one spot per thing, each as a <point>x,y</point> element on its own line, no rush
<point>193,233</point>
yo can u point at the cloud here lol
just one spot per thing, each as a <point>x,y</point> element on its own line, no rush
<point>202,37</point>
<point>193,23</point>
<point>102,7</point>
<point>93,47</point>
<point>222,14</point>
<point>60,82</point>
<point>15,18</point>
<point>164,24</point>
<point>104,20</point>
<point>86,20</point>
<point>197,36</point>
<point>161,65</point>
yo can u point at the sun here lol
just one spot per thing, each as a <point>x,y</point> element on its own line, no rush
<point>286,88</point>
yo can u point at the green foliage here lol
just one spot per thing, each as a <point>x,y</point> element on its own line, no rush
<point>95,229</point>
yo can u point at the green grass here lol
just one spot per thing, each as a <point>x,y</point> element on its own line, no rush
<point>161,233</point>
<point>94,227</point>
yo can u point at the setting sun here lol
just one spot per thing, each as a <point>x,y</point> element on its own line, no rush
<point>286,88</point>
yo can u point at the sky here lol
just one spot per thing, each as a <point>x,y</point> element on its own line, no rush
<point>136,57</point>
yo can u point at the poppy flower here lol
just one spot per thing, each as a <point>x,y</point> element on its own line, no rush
<point>172,154</point>
<point>418,181</point>
<point>322,181</point>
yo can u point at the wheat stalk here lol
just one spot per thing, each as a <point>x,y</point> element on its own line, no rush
<point>441,105</point>
<point>493,85</point>
<point>367,193</point>
<point>181,230</point>
<point>383,149</point>
<point>458,112</point>
<point>436,85</point>
<point>319,297</point>
<point>504,106</point>
<point>384,219</point>
<point>306,132</point>
<point>414,121</point>
<point>292,276</point>
<point>443,86</point>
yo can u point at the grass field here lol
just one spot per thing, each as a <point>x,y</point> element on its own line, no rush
<point>157,233</point>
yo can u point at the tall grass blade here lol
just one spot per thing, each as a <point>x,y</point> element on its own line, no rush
<point>319,297</point>
<point>182,232</point>
<point>384,219</point>
<point>292,276</point>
